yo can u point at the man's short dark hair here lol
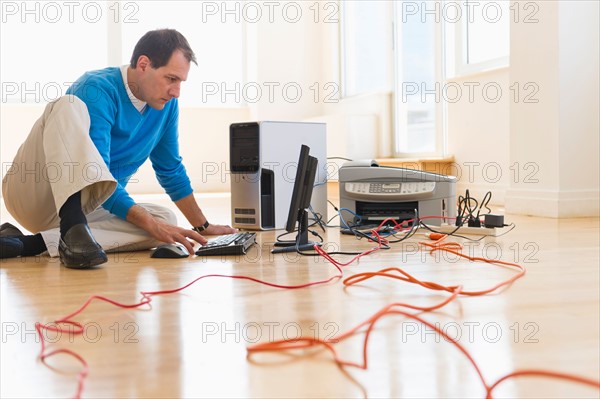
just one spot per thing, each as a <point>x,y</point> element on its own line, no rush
<point>159,45</point>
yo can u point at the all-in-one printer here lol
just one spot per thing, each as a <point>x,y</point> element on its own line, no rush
<point>378,192</point>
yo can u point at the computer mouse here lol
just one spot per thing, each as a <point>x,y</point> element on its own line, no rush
<point>170,251</point>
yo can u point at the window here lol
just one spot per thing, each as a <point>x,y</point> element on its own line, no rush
<point>431,40</point>
<point>388,47</point>
<point>419,61</point>
<point>45,46</point>
<point>366,44</point>
<point>480,32</point>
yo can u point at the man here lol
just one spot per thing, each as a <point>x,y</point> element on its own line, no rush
<point>68,179</point>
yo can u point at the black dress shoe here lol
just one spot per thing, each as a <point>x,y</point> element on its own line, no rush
<point>10,247</point>
<point>8,230</point>
<point>79,250</point>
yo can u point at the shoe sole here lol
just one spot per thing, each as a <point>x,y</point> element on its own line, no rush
<point>85,263</point>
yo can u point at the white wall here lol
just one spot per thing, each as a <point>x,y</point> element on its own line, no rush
<point>579,125</point>
<point>15,123</point>
<point>547,152</point>
<point>360,127</point>
<point>478,133</point>
<point>547,145</point>
<point>285,55</point>
<point>204,146</point>
<point>557,137</point>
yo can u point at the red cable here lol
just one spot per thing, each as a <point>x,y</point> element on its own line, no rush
<point>438,245</point>
<point>309,342</point>
<point>146,299</point>
<point>543,373</point>
<point>306,342</point>
<point>380,241</point>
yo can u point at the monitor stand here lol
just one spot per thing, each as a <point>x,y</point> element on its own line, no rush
<point>301,243</point>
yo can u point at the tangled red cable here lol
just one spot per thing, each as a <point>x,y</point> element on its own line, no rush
<point>397,273</point>
<point>306,342</point>
<point>78,328</point>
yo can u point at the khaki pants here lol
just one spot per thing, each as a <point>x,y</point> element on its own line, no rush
<point>58,159</point>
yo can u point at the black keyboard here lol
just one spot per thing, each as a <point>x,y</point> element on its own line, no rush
<point>230,244</point>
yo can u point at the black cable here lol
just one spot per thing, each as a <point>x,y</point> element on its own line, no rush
<point>484,202</point>
<point>314,233</point>
<point>357,233</point>
<point>506,232</point>
<point>330,219</point>
<point>278,238</point>
<point>467,206</point>
<point>453,233</point>
<point>333,205</point>
<point>328,253</point>
<point>411,232</point>
<point>413,228</point>
<point>318,218</point>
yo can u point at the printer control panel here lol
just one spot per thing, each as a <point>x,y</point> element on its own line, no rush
<point>405,188</point>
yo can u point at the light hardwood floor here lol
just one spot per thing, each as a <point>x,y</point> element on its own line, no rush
<point>193,343</point>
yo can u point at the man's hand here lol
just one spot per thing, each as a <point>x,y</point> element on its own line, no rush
<point>163,231</point>
<point>168,233</point>
<point>189,207</point>
<point>217,230</point>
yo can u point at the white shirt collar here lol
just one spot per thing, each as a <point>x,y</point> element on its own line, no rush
<point>138,104</point>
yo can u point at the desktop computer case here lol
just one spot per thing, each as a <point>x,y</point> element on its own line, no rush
<point>263,163</point>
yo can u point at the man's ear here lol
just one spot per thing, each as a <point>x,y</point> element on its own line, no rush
<point>143,63</point>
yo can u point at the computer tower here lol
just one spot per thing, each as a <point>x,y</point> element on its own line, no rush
<point>263,163</point>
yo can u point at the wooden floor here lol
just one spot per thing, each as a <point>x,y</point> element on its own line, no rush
<point>193,343</point>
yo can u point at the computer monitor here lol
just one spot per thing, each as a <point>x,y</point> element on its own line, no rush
<point>301,195</point>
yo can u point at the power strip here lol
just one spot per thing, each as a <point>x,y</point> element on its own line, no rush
<point>480,231</point>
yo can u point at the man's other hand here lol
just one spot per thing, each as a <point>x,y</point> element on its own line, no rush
<point>170,234</point>
<point>218,230</point>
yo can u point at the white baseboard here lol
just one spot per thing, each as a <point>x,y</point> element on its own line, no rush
<point>553,203</point>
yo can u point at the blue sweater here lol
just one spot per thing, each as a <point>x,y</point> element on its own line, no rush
<point>125,138</point>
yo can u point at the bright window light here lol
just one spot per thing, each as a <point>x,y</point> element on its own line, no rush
<point>366,47</point>
<point>45,46</point>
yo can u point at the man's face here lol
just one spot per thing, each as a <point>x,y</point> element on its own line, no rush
<point>158,86</point>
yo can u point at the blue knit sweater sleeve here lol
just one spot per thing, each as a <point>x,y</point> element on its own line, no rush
<point>167,162</point>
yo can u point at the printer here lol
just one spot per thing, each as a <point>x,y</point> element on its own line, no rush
<point>376,192</point>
